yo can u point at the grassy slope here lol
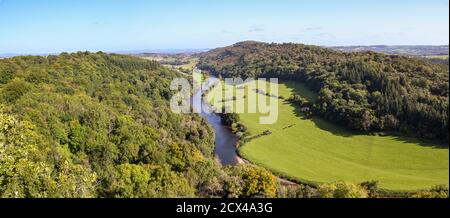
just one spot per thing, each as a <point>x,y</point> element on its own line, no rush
<point>190,66</point>
<point>443,57</point>
<point>317,151</point>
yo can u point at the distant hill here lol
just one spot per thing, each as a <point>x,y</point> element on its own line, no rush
<point>408,50</point>
<point>139,53</point>
<point>151,52</point>
<point>7,55</point>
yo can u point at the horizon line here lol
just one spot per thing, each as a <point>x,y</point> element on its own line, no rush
<point>194,50</point>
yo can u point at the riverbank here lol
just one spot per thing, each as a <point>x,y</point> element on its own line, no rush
<point>312,149</point>
<point>225,140</point>
<point>231,146</point>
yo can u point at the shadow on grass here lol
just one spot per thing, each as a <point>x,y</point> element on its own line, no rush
<point>421,142</point>
<point>345,132</point>
<point>301,89</point>
<point>323,124</point>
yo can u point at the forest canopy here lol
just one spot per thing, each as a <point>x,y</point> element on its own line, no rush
<point>99,125</point>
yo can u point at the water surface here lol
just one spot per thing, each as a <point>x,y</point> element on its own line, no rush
<point>225,140</point>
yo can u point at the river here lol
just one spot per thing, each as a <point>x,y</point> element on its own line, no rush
<point>225,140</point>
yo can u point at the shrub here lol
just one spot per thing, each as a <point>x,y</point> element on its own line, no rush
<point>342,190</point>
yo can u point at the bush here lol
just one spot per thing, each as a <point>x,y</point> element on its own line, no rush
<point>254,181</point>
<point>229,118</point>
<point>436,192</point>
<point>342,190</point>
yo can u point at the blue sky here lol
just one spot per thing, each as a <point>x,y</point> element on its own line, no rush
<point>44,26</point>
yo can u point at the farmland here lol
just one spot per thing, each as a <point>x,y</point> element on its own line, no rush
<point>316,151</point>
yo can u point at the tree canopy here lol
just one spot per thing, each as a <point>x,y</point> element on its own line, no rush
<point>100,125</point>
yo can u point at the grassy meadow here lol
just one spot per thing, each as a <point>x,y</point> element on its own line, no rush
<point>316,151</point>
<point>190,64</point>
<point>443,57</point>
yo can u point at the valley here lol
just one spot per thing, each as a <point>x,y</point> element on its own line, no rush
<point>311,150</point>
<point>111,112</point>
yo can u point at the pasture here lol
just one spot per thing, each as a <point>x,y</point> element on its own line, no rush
<point>316,151</point>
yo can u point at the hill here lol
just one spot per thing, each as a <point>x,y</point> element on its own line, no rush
<point>408,50</point>
<point>364,91</point>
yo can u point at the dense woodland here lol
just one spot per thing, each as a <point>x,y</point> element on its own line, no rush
<point>98,125</point>
<point>364,91</point>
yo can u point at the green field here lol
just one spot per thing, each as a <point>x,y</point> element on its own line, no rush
<point>316,151</point>
<point>188,66</point>
<point>443,57</point>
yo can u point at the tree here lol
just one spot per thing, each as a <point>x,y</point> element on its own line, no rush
<point>229,119</point>
<point>30,171</point>
<point>440,191</point>
<point>342,190</point>
<point>256,182</point>
<point>13,90</point>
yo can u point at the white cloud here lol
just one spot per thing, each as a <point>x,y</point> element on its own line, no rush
<point>308,29</point>
<point>254,29</point>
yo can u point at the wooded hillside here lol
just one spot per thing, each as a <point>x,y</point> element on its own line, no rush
<point>365,91</point>
<point>99,125</point>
